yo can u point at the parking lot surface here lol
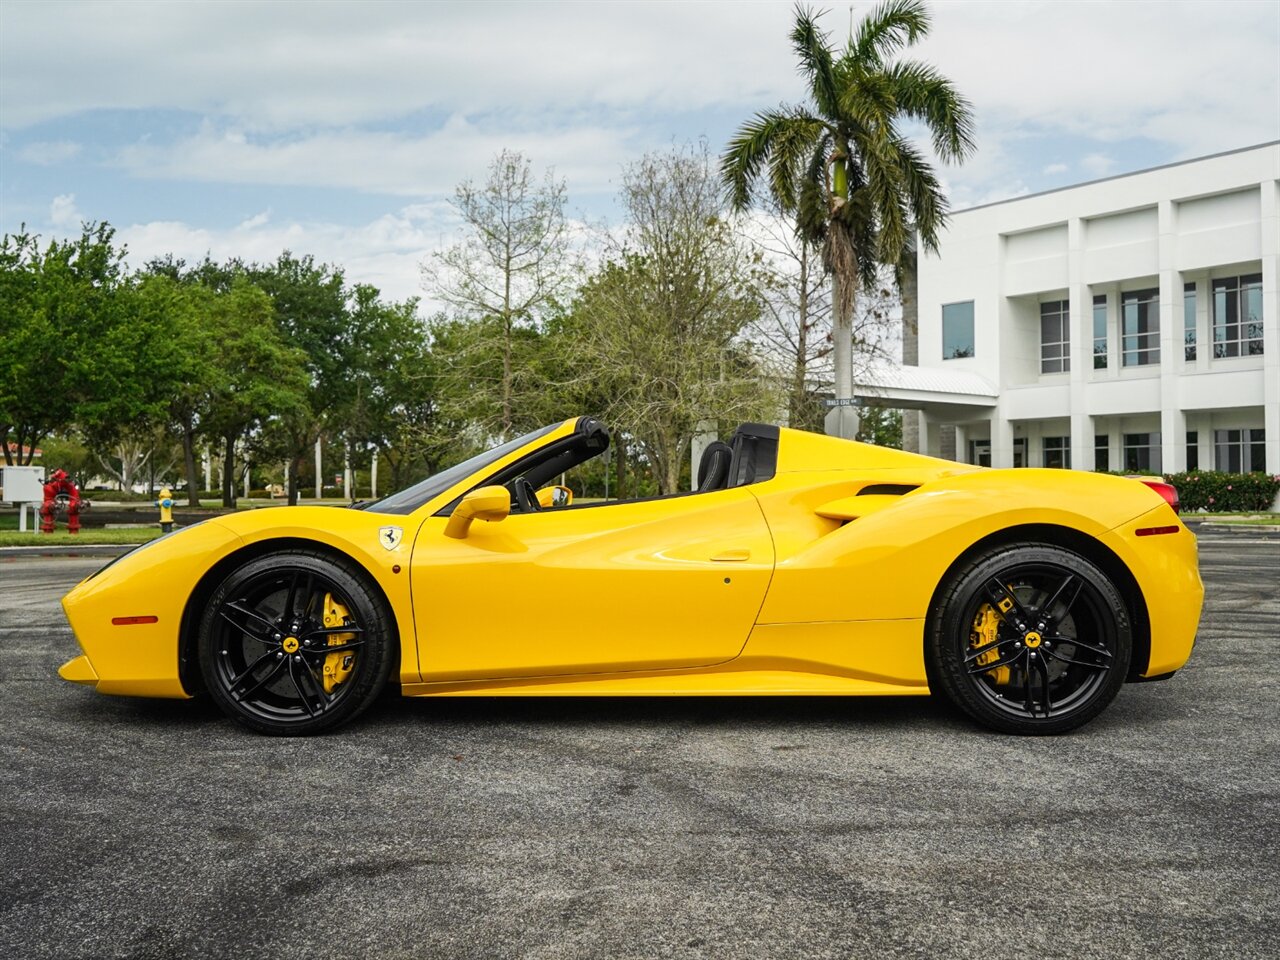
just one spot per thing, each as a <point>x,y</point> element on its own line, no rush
<point>646,828</point>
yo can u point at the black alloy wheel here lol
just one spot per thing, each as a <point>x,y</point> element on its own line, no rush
<point>294,643</point>
<point>1030,639</point>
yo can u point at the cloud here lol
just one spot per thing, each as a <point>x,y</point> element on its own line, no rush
<point>1098,164</point>
<point>1200,77</point>
<point>46,153</point>
<point>264,65</point>
<point>63,213</point>
<point>382,162</point>
<point>1054,168</point>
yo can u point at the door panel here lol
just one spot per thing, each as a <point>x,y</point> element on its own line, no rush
<point>653,584</point>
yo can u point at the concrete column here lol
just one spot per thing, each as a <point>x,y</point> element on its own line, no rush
<point>1001,440</point>
<point>208,470</point>
<point>1271,321</point>
<point>1080,299</point>
<point>347,484</point>
<point>319,475</point>
<point>248,475</point>
<point>373,474</point>
<point>1173,452</point>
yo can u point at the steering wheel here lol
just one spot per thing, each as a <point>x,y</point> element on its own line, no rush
<point>526,496</point>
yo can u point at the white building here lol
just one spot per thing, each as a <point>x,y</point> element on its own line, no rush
<point>1123,324</point>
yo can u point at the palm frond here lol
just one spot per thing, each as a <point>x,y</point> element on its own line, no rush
<point>816,64</point>
<point>748,152</point>
<point>888,28</point>
<point>923,194</point>
<point>793,147</point>
<point>812,211</point>
<point>921,92</point>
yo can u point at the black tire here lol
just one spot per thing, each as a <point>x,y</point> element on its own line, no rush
<point>266,670</point>
<point>1062,647</point>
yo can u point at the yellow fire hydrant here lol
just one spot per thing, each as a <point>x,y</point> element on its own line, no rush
<point>165,503</point>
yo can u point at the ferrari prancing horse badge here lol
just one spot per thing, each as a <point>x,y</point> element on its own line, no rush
<point>389,537</point>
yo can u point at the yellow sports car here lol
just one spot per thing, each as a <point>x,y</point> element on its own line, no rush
<point>801,564</point>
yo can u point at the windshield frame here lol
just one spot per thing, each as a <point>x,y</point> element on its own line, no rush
<point>432,488</point>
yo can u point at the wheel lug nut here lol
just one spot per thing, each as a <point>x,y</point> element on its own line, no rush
<point>279,655</point>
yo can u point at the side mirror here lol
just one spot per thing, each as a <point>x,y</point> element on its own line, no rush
<point>557,496</point>
<point>490,504</point>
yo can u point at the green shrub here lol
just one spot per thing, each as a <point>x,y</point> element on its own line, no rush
<point>116,496</point>
<point>1225,492</point>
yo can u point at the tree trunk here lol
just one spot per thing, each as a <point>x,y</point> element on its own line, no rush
<point>295,468</point>
<point>843,421</point>
<point>506,379</point>
<point>229,472</point>
<point>189,462</point>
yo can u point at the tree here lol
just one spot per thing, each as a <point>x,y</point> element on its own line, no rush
<point>657,331</point>
<point>841,166</point>
<point>394,404</point>
<point>261,377</point>
<point>794,328</point>
<point>59,316</point>
<point>309,303</point>
<point>505,273</point>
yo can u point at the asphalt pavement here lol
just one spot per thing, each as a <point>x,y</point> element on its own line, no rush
<point>646,828</point>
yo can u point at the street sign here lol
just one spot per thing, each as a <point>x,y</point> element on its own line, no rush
<point>843,402</point>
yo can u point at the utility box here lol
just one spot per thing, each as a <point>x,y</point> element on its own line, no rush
<point>22,484</point>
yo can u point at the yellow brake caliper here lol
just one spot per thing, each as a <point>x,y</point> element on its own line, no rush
<point>986,625</point>
<point>337,666</point>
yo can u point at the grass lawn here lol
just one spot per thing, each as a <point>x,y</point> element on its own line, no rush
<point>1250,521</point>
<point>10,537</point>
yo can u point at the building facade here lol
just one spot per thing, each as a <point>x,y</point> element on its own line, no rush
<point>1130,323</point>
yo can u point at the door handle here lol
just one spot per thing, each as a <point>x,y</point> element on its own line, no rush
<point>727,556</point>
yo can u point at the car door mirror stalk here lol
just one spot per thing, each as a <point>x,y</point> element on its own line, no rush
<point>490,504</point>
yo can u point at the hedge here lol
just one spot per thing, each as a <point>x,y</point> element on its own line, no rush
<point>1225,492</point>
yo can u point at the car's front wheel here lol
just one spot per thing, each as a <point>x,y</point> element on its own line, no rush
<point>1029,639</point>
<point>294,643</point>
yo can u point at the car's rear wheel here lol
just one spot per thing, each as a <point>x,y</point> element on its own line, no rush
<point>294,643</point>
<point>1030,639</point>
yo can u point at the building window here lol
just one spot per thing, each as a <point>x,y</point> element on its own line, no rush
<point>1101,452</point>
<point>1100,332</point>
<point>1020,451</point>
<point>1237,316</point>
<point>1140,325</point>
<point>1142,452</point>
<point>1055,337</point>
<point>1193,450</point>
<point>1057,452</point>
<point>1240,451</point>
<point>980,453</point>
<point>957,330</point>
<point>1189,321</point>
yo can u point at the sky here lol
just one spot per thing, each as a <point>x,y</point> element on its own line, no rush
<point>341,129</point>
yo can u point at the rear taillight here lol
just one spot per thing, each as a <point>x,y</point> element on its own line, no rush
<point>1166,490</point>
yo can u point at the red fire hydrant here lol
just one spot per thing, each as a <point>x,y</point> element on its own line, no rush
<point>55,485</point>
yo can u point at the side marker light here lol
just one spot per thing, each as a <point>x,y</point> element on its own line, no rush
<point>129,621</point>
<point>1155,531</point>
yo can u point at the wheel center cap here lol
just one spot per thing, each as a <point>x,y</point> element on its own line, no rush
<point>1032,640</point>
<point>290,644</point>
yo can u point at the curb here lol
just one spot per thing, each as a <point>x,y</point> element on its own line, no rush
<point>1269,529</point>
<point>88,550</point>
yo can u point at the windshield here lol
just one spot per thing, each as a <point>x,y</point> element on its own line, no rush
<point>411,498</point>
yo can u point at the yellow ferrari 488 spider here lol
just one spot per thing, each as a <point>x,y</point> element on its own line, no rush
<point>801,564</point>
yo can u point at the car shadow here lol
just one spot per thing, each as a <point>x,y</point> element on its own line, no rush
<point>742,711</point>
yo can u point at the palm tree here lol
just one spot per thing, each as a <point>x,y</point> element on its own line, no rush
<point>841,167</point>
